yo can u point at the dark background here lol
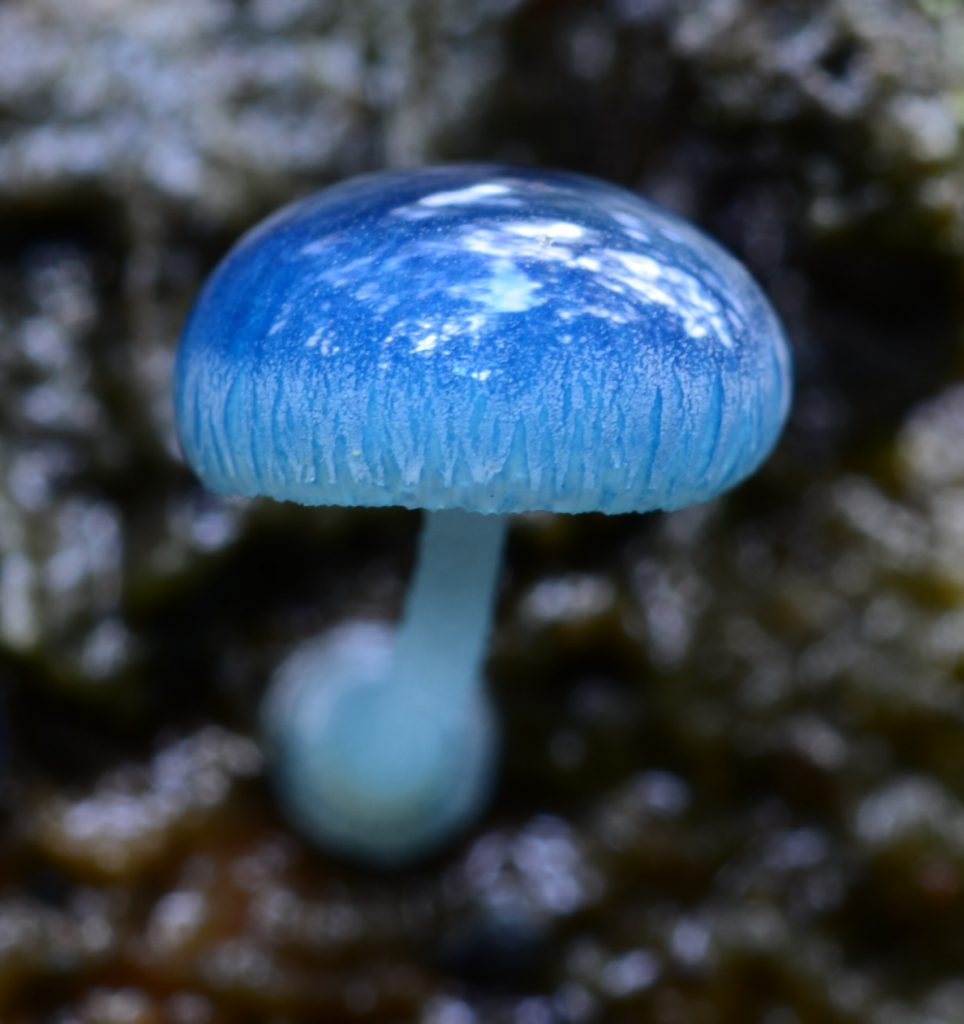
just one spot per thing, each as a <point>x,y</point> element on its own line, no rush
<point>733,777</point>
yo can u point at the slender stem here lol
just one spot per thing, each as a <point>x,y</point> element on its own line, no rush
<point>443,633</point>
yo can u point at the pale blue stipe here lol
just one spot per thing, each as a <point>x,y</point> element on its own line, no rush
<point>384,748</point>
<point>449,607</point>
<point>490,338</point>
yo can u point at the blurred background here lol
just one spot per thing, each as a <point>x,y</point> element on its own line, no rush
<point>733,777</point>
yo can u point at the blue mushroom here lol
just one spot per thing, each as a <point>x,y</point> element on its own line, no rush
<point>473,341</point>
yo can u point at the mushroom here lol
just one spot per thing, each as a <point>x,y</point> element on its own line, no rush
<point>472,341</point>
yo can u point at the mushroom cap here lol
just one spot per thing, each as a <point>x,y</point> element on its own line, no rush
<point>491,338</point>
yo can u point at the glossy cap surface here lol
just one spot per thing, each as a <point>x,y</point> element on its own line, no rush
<point>496,339</point>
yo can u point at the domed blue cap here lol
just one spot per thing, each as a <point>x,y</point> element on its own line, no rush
<point>491,338</point>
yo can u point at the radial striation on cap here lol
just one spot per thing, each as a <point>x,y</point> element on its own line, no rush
<point>489,338</point>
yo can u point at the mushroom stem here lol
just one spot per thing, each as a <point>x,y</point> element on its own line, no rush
<point>382,741</point>
<point>443,633</point>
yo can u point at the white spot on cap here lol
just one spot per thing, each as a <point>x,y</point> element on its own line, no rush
<point>460,196</point>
